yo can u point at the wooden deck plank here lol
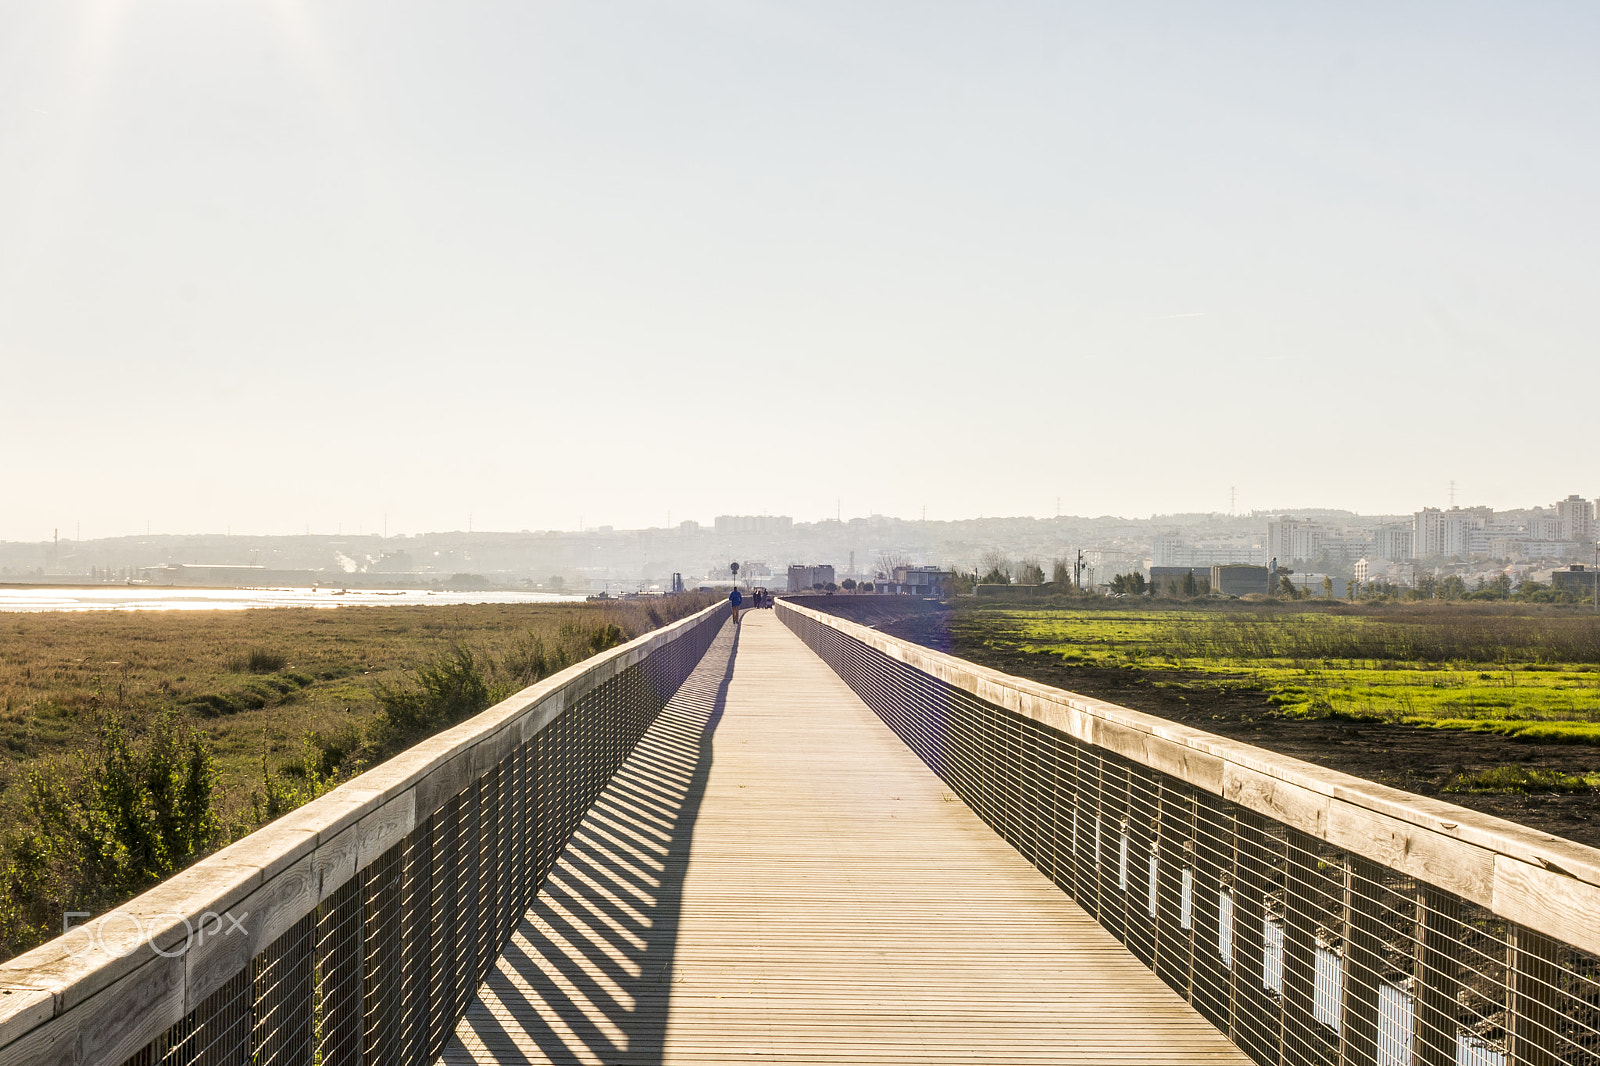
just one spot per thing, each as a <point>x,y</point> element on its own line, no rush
<point>773,876</point>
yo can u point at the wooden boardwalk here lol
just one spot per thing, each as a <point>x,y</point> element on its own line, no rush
<point>774,877</point>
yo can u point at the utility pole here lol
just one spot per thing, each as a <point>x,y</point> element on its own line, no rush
<point>1077,573</point>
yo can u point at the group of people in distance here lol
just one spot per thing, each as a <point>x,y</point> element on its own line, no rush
<point>758,598</point>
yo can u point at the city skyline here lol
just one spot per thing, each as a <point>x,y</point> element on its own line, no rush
<point>671,519</point>
<point>1395,550</point>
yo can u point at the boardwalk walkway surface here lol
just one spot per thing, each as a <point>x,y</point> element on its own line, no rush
<point>774,877</point>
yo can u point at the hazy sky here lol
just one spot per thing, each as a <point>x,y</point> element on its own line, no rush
<point>267,264</point>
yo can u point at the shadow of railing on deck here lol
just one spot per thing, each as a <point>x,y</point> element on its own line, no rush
<point>591,967</point>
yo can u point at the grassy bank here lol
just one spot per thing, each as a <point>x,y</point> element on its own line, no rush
<point>131,744</point>
<point>1533,675</point>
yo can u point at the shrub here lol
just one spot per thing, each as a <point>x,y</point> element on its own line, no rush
<point>262,661</point>
<point>446,689</point>
<point>258,661</point>
<point>137,811</point>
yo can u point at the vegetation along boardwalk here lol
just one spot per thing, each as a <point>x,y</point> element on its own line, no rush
<point>774,876</point>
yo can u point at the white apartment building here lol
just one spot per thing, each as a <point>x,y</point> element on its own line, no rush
<point>1301,538</point>
<point>1394,542</point>
<point>1450,533</point>
<point>1575,519</point>
<point>1172,550</point>
<point>1293,538</point>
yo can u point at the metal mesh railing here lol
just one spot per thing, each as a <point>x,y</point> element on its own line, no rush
<point>382,968</point>
<point>1300,952</point>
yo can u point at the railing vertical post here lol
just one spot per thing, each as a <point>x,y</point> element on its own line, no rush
<point>1438,983</point>
<point>1533,985</point>
<point>471,896</point>
<point>417,919</point>
<point>1251,888</point>
<point>444,856</point>
<point>285,975</point>
<point>1044,784</point>
<point>463,901</point>
<point>489,874</point>
<point>1028,788</point>
<point>1210,976</point>
<point>1161,935</point>
<point>1300,947</point>
<point>380,984</point>
<point>522,839</point>
<point>1363,958</point>
<point>222,1027</point>
<point>1072,763</point>
<point>340,969</point>
<point>1230,885</point>
<point>1186,937</point>
<point>1095,831</point>
<point>1125,908</point>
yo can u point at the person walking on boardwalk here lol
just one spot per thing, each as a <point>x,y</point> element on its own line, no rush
<point>735,599</point>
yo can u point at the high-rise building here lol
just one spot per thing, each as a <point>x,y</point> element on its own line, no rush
<point>1293,538</point>
<point>1453,533</point>
<point>1395,543</point>
<point>1290,539</point>
<point>1575,519</point>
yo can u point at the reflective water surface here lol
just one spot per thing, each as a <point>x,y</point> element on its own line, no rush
<point>148,598</point>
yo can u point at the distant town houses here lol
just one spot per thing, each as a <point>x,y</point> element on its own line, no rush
<point>1348,550</point>
<point>1385,572</point>
<point>1565,530</point>
<point>725,524</point>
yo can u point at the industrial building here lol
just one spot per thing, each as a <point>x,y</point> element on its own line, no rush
<point>1240,579</point>
<point>1168,580</point>
<point>806,578</point>
<point>1575,578</point>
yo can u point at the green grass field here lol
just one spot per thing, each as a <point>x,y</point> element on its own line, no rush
<point>1531,676</point>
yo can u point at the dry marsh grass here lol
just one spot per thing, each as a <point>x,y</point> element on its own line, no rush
<point>284,703</point>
